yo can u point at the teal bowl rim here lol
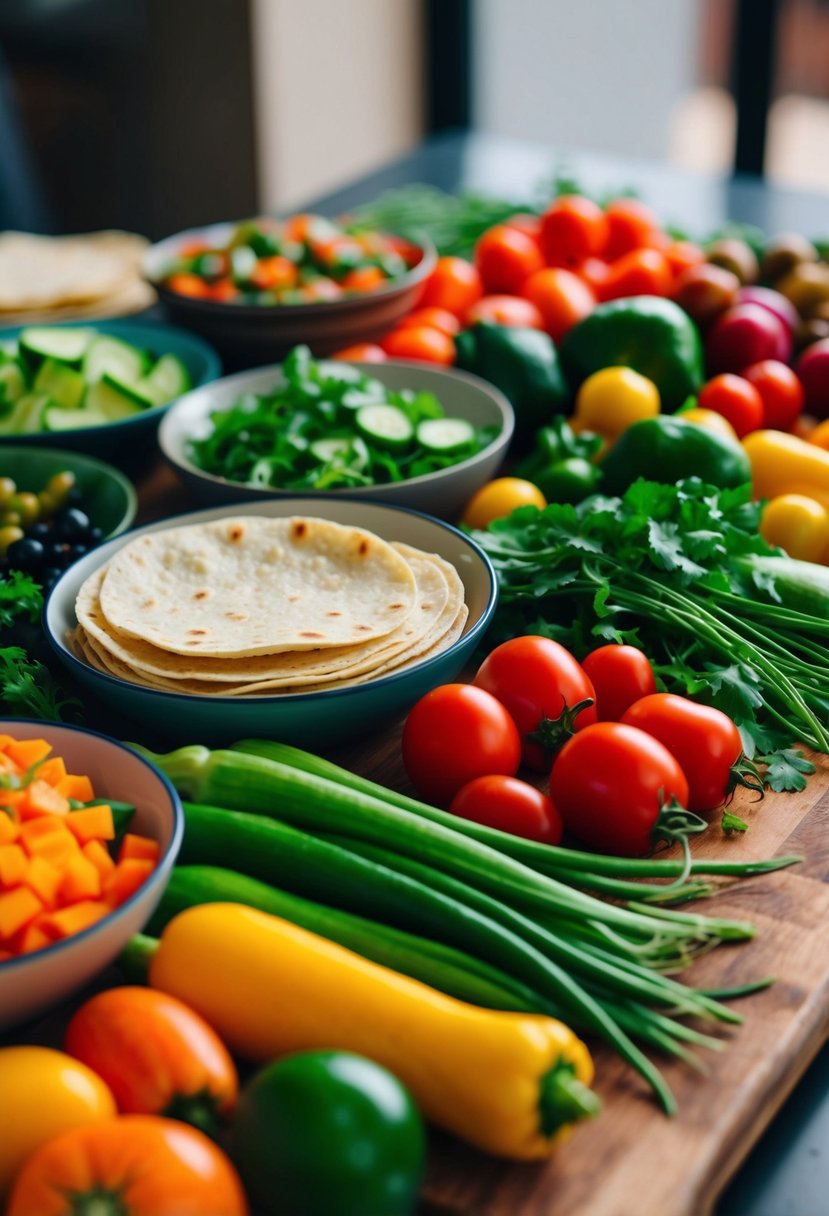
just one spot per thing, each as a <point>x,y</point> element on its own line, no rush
<point>121,328</point>
<point>165,862</point>
<point>98,466</point>
<point>64,654</point>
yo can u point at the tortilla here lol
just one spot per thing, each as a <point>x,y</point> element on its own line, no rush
<point>43,272</point>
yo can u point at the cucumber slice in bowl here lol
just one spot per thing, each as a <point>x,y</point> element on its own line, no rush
<point>445,434</point>
<point>351,453</point>
<point>385,425</point>
<point>65,345</point>
<point>56,418</point>
<point>108,356</point>
<point>111,401</point>
<point>61,382</point>
<point>167,380</point>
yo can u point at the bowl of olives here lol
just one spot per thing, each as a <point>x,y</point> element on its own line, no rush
<point>55,506</point>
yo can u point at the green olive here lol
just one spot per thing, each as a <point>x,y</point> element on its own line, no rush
<point>783,254</point>
<point>8,536</point>
<point>7,490</point>
<point>48,505</point>
<point>10,517</point>
<point>735,255</point>
<point>58,487</point>
<point>28,507</point>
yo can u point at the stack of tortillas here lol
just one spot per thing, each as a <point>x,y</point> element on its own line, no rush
<point>251,606</point>
<point>65,278</point>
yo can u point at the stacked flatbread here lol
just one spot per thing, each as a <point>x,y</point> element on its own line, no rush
<point>251,606</point>
<point>67,278</point>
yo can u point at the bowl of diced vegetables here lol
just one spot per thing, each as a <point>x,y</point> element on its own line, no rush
<point>89,832</point>
<point>257,288</point>
<point>96,387</point>
<point>397,432</point>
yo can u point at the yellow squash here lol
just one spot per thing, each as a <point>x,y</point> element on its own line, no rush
<point>509,1083</point>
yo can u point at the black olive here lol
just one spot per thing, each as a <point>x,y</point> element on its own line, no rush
<point>50,576</point>
<point>70,524</point>
<point>25,554</point>
<point>95,536</point>
<point>40,531</point>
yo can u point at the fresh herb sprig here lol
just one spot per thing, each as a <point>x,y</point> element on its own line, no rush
<point>26,685</point>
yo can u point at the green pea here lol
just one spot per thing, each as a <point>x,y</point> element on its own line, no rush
<point>8,536</point>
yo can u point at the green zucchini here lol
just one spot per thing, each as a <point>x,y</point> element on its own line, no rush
<point>802,586</point>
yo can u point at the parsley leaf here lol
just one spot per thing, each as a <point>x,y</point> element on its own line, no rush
<point>787,769</point>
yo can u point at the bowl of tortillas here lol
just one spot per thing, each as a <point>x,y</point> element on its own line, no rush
<point>301,620</point>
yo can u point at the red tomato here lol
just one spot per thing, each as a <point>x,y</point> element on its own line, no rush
<point>704,742</point>
<point>524,222</point>
<point>505,310</point>
<point>562,298</point>
<point>630,225</point>
<point>610,782</point>
<point>736,399</point>
<point>363,352</point>
<point>188,285</point>
<point>572,228</point>
<point>642,272</point>
<point>682,255</point>
<point>537,681</point>
<point>223,291</point>
<point>454,733</point>
<point>420,342</point>
<point>272,273</point>
<point>364,278</point>
<point>434,318</point>
<point>620,675</point>
<point>595,272</point>
<point>781,391</point>
<point>510,806</point>
<point>454,284</point>
<point>506,257</point>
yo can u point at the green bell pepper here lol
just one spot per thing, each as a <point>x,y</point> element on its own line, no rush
<point>560,463</point>
<point>523,364</point>
<point>666,449</point>
<point>652,335</point>
<point>324,1132</point>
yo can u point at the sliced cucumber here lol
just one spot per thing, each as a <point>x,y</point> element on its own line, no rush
<point>111,401</point>
<point>26,415</point>
<point>55,418</point>
<point>385,425</point>
<point>12,384</point>
<point>352,453</point>
<point>65,345</point>
<point>445,434</point>
<point>133,392</point>
<point>107,356</point>
<point>62,383</point>
<point>168,380</point>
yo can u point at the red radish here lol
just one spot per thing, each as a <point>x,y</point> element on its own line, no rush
<point>774,301</point>
<point>744,335</point>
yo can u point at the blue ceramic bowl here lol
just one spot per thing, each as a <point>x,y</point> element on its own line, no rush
<point>123,442</point>
<point>305,718</point>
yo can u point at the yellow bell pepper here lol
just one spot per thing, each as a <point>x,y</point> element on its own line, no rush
<point>798,524</point>
<point>784,464</point>
<point>612,399</point>
<point>508,1083</point>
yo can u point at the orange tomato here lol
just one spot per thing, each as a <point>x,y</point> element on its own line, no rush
<point>454,284</point>
<point>420,342</point>
<point>630,225</point>
<point>642,272</point>
<point>137,1165</point>
<point>188,285</point>
<point>223,291</point>
<point>156,1055</point>
<point>506,257</point>
<point>682,255</point>
<point>435,318</point>
<point>364,278</point>
<point>572,228</point>
<point>274,272</point>
<point>362,352</point>
<point>561,297</point>
<point>505,310</point>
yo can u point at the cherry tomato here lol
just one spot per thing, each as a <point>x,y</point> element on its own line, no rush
<point>420,342</point>
<point>630,225</point>
<point>572,228</point>
<point>562,298</point>
<point>642,272</point>
<point>511,806</point>
<point>434,318</point>
<point>505,310</point>
<point>364,278</point>
<point>499,498</point>
<point>188,285</point>
<point>506,257</point>
<point>223,291</point>
<point>524,222</point>
<point>454,733</point>
<point>538,681</point>
<point>612,399</point>
<point>272,273</point>
<point>595,272</point>
<point>609,783</point>
<point>703,741</point>
<point>454,284</point>
<point>736,399</point>
<point>780,390</point>
<point>620,675</point>
<point>682,255</point>
<point>363,352</point>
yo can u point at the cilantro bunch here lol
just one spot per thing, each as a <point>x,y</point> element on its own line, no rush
<point>26,685</point>
<point>681,572</point>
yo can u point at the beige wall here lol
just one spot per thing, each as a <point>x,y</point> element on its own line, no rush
<point>338,90</point>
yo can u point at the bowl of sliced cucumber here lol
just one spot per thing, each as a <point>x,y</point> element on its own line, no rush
<point>397,432</point>
<point>98,387</point>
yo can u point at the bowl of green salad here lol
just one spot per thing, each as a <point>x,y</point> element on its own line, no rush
<point>399,432</point>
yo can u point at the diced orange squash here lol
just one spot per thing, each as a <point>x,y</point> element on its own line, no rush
<point>12,799</point>
<point>43,825</point>
<point>44,879</point>
<point>47,837</point>
<point>71,920</point>
<point>52,770</point>
<point>126,878</point>
<point>5,740</point>
<point>140,848</point>
<point>26,752</point>
<point>80,880</point>
<point>34,937</point>
<point>44,799</point>
<point>17,908</point>
<point>9,828</point>
<point>91,823</point>
<point>98,854</point>
<point>76,786</point>
<point>13,864</point>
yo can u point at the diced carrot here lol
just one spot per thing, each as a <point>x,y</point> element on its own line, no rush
<point>73,919</point>
<point>140,848</point>
<point>126,878</point>
<point>44,879</point>
<point>91,823</point>
<point>44,800</point>
<point>76,786</point>
<point>12,798</point>
<point>98,854</point>
<point>17,908</point>
<point>56,843</point>
<point>52,770</point>
<point>43,825</point>
<point>34,937</point>
<point>80,880</point>
<point>13,863</point>
<point>26,752</point>
<point>9,828</point>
